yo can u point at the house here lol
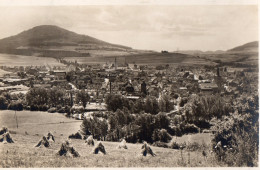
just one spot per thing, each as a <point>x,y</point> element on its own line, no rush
<point>59,74</point>
<point>208,88</point>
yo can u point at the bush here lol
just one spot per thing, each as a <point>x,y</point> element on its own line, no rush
<point>175,131</point>
<point>61,110</point>
<point>43,107</point>
<point>160,144</point>
<point>77,135</point>
<point>161,135</point>
<point>15,105</point>
<point>77,110</point>
<point>3,103</point>
<point>67,109</point>
<point>183,101</point>
<point>174,145</point>
<point>191,128</point>
<point>52,110</point>
<point>239,141</point>
<point>34,107</point>
<point>194,146</point>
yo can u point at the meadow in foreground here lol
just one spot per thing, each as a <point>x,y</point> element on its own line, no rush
<point>22,153</point>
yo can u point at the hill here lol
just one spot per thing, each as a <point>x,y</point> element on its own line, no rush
<point>248,47</point>
<point>245,54</point>
<point>53,41</point>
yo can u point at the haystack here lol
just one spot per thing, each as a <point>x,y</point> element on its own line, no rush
<point>67,150</point>
<point>99,147</point>
<point>43,142</point>
<point>90,140</point>
<point>77,135</point>
<point>50,137</point>
<point>122,144</point>
<point>146,149</point>
<point>6,138</point>
<point>3,130</point>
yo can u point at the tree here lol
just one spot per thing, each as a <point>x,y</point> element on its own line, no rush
<point>146,127</point>
<point>56,96</point>
<point>161,121</point>
<point>37,96</point>
<point>82,97</point>
<point>138,106</point>
<point>165,104</point>
<point>3,103</point>
<point>151,105</point>
<point>114,102</point>
<point>21,74</point>
<point>161,135</point>
<point>98,128</point>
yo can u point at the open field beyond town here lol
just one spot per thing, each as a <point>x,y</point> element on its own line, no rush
<point>149,58</point>
<point>21,60</point>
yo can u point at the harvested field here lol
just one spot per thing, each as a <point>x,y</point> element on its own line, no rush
<point>22,153</point>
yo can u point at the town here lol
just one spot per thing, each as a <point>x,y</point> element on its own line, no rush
<point>129,86</point>
<point>129,80</point>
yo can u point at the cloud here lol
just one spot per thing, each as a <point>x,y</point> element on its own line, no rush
<point>144,27</point>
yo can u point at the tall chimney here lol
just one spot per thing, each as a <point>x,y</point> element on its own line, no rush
<point>115,64</point>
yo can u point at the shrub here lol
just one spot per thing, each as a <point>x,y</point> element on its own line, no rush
<point>77,135</point>
<point>52,110</point>
<point>61,110</point>
<point>77,110</point>
<point>67,109</point>
<point>43,107</point>
<point>239,140</point>
<point>191,128</point>
<point>3,103</point>
<point>175,130</point>
<point>15,105</point>
<point>161,135</point>
<point>174,145</point>
<point>96,127</point>
<point>194,146</point>
<point>34,107</point>
<point>183,101</point>
<point>160,144</point>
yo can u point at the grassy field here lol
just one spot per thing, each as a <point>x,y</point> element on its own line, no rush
<point>32,125</point>
<point>19,60</point>
<point>146,58</point>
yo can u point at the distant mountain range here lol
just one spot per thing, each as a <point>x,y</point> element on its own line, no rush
<point>248,47</point>
<point>245,54</point>
<point>53,41</point>
<point>56,42</point>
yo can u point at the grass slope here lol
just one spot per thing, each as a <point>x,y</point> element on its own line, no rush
<point>21,60</point>
<point>146,58</point>
<point>22,153</point>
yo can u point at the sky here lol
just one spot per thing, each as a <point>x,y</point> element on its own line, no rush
<point>150,27</point>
